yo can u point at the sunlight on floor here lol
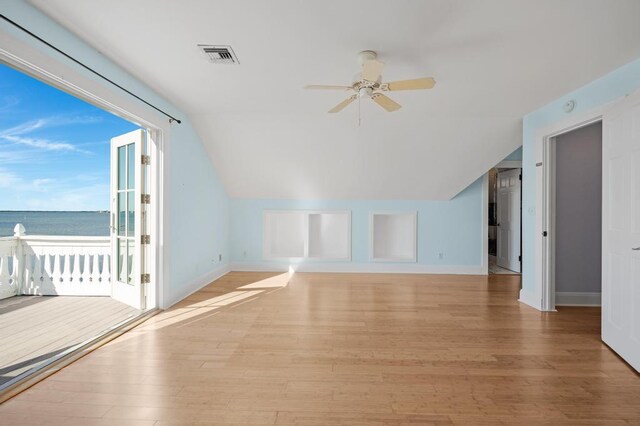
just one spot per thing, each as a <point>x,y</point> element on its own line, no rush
<point>277,281</point>
<point>225,299</point>
<point>202,309</point>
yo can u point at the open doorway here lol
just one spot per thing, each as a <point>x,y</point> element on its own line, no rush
<point>505,218</point>
<point>611,130</point>
<point>575,217</point>
<point>77,221</point>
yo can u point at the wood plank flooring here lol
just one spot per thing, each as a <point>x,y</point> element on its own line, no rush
<point>345,349</point>
<point>34,329</point>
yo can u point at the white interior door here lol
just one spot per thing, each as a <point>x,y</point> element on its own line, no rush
<point>126,254</point>
<point>508,229</point>
<point>621,230</point>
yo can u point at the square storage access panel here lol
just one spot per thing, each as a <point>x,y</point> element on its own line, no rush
<point>284,234</point>
<point>393,236</point>
<point>330,236</point>
<point>307,234</point>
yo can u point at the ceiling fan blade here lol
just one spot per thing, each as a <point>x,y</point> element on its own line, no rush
<point>342,105</point>
<point>326,87</point>
<point>418,83</point>
<point>385,102</point>
<point>372,69</point>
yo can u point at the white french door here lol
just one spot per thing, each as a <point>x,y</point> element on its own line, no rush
<point>127,225</point>
<point>621,230</point>
<point>508,230</point>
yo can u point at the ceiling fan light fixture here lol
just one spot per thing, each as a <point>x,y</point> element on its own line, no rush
<point>365,92</point>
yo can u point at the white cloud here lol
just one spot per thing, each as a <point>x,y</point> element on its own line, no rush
<point>17,133</point>
<point>20,185</point>
<point>51,194</point>
<point>8,179</point>
<point>8,102</point>
<point>45,144</point>
<point>42,184</point>
<point>36,188</point>
<point>15,157</point>
<point>23,128</point>
<point>93,197</point>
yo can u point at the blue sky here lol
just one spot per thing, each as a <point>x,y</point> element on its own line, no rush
<point>54,148</point>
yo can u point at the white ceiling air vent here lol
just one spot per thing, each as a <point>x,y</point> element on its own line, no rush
<point>219,54</point>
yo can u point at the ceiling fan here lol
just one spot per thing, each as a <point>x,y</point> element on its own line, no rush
<point>368,84</point>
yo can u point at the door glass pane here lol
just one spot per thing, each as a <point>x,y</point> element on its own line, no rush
<point>131,214</point>
<point>131,163</point>
<point>122,258</point>
<point>122,166</point>
<point>122,213</point>
<point>130,243</point>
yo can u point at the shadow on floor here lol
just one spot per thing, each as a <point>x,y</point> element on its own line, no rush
<point>12,371</point>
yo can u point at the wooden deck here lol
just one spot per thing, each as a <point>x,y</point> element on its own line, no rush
<point>345,349</point>
<point>35,328</point>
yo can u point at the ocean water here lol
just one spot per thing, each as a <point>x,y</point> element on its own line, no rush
<point>56,223</point>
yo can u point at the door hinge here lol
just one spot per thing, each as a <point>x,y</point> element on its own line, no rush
<point>145,278</point>
<point>519,258</point>
<point>520,177</point>
<point>145,239</point>
<point>145,160</point>
<point>145,198</point>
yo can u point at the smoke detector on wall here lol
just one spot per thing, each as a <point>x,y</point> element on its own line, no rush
<point>569,106</point>
<point>219,54</point>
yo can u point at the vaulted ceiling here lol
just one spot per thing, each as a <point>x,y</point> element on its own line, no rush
<point>494,61</point>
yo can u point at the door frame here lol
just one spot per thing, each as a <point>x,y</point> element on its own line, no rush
<point>64,76</point>
<point>519,212</point>
<point>544,296</point>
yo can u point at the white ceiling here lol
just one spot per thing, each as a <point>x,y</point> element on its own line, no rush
<point>494,61</point>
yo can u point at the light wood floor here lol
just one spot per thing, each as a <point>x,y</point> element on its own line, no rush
<point>34,329</point>
<point>329,349</point>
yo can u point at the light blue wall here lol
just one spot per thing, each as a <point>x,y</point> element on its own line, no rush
<point>612,86</point>
<point>198,233</point>
<point>199,210</point>
<point>449,227</point>
<point>515,155</point>
<point>198,216</point>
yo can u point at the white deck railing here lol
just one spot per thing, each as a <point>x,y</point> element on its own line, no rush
<point>54,265</point>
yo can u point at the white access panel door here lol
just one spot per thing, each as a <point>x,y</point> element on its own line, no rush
<point>508,229</point>
<point>621,230</point>
<point>394,236</point>
<point>285,234</point>
<point>330,235</point>
<point>126,224</point>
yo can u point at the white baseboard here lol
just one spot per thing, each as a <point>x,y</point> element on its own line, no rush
<point>578,299</point>
<point>530,299</point>
<point>392,268</point>
<point>196,284</point>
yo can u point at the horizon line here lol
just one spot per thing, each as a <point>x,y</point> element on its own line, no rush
<point>54,211</point>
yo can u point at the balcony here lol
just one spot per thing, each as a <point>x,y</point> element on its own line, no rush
<point>54,296</point>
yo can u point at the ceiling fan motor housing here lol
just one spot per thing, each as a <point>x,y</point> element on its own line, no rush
<point>367,55</point>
